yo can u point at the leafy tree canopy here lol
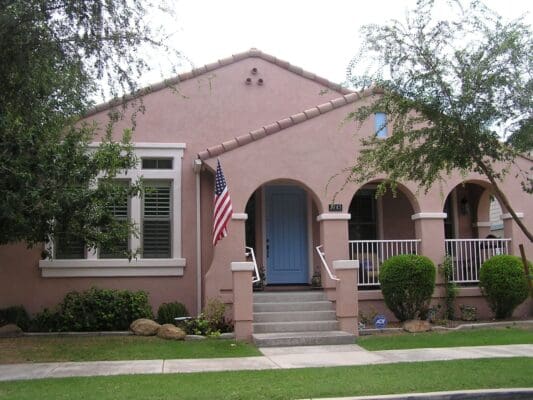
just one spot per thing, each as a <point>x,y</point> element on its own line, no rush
<point>58,55</point>
<point>450,88</point>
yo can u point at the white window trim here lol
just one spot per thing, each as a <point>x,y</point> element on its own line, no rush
<point>93,266</point>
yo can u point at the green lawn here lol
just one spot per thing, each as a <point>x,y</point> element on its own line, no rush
<point>106,348</point>
<point>285,384</point>
<point>471,337</point>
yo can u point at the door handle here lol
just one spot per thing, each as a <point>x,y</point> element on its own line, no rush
<point>268,247</point>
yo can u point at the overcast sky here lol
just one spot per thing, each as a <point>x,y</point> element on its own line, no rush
<point>319,36</point>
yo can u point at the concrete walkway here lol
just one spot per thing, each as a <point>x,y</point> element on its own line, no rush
<point>273,358</point>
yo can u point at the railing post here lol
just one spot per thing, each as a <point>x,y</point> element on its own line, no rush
<point>347,307</point>
<point>242,299</point>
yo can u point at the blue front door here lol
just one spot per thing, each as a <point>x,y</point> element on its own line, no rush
<point>286,235</point>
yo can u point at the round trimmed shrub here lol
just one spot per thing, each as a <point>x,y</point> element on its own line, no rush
<point>168,311</point>
<point>503,282</point>
<point>407,283</point>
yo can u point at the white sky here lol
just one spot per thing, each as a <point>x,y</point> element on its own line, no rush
<point>319,36</point>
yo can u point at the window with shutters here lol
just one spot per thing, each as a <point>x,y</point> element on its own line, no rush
<point>156,220</point>
<point>156,215</point>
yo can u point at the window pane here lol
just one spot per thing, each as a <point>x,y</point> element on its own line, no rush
<point>380,120</point>
<point>69,247</point>
<point>120,211</point>
<point>363,222</point>
<point>157,163</point>
<point>157,216</point>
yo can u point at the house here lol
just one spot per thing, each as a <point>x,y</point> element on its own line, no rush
<point>278,132</point>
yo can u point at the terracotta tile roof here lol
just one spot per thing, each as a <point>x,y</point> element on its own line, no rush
<point>253,52</point>
<point>284,123</point>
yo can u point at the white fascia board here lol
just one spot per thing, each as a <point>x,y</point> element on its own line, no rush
<point>334,217</point>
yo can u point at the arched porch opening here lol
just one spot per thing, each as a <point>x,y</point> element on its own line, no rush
<point>473,229</point>
<point>282,229</point>
<point>379,228</point>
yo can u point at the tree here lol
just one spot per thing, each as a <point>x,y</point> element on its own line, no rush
<point>58,55</point>
<point>450,89</point>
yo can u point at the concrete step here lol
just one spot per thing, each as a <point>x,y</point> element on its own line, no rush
<point>322,305</point>
<point>286,297</point>
<point>289,316</point>
<point>295,326</point>
<point>302,338</point>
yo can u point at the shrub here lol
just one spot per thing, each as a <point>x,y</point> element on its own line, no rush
<point>95,310</point>
<point>407,283</point>
<point>211,321</point>
<point>168,311</point>
<point>15,315</point>
<point>46,321</point>
<point>502,280</point>
<point>450,287</point>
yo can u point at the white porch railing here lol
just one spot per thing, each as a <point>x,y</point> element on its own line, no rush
<point>250,253</point>
<point>372,253</point>
<point>468,255</point>
<point>322,256</point>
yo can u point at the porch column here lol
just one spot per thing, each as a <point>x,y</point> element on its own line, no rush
<point>512,231</point>
<point>429,228</point>
<point>334,238</point>
<point>347,308</point>
<point>483,228</point>
<point>218,280</point>
<point>242,299</point>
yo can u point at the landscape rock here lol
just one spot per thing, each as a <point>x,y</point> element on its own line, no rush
<point>10,330</point>
<point>415,326</point>
<point>227,335</point>
<point>144,327</point>
<point>172,332</point>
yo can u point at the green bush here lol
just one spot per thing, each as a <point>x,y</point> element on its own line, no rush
<point>95,310</point>
<point>168,311</point>
<point>47,321</point>
<point>407,283</point>
<point>211,322</point>
<point>15,315</point>
<point>503,281</point>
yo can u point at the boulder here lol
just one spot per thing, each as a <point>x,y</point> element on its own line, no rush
<point>144,327</point>
<point>416,325</point>
<point>169,331</point>
<point>10,330</point>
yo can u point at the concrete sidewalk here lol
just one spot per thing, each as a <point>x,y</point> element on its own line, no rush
<point>273,358</point>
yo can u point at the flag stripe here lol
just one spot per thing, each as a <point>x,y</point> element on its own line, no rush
<point>223,209</point>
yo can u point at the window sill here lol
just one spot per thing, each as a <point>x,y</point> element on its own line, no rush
<point>112,267</point>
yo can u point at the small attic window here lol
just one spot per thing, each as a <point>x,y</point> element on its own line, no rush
<point>380,123</point>
<point>157,163</point>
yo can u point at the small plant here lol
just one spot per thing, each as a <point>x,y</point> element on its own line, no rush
<point>15,315</point>
<point>47,321</point>
<point>468,312</point>
<point>316,280</point>
<point>450,288</point>
<point>211,322</point>
<point>367,318</point>
<point>503,282</point>
<point>407,283</point>
<point>168,311</point>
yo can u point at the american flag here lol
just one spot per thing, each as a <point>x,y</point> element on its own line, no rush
<point>223,209</point>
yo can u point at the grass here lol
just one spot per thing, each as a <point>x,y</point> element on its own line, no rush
<point>108,348</point>
<point>286,384</point>
<point>472,337</point>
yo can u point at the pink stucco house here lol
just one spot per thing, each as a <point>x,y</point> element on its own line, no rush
<point>278,133</point>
